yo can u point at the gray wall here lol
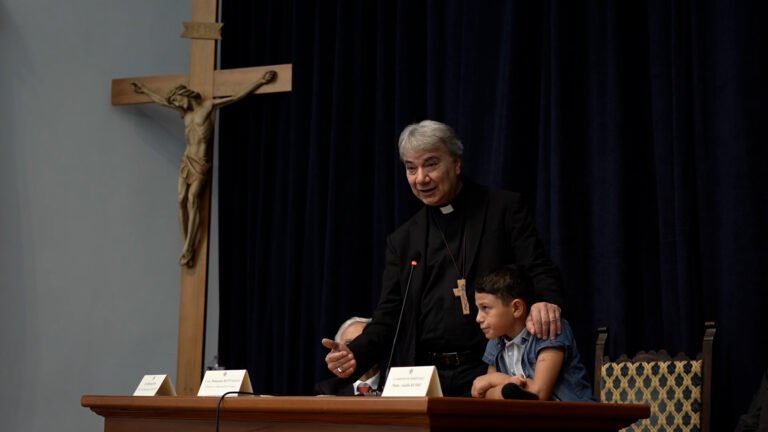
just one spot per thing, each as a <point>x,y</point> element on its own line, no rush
<point>89,283</point>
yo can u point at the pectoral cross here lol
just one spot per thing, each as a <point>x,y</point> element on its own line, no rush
<point>461,291</point>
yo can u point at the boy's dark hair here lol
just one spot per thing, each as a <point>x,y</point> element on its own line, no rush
<point>508,283</point>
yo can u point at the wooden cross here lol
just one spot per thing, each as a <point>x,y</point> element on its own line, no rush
<point>461,292</point>
<point>210,83</point>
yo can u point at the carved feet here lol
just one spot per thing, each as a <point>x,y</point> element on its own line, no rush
<point>186,257</point>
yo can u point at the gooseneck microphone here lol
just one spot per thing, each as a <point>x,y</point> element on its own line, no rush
<point>414,263</point>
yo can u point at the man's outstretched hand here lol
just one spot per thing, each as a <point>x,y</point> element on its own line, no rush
<point>341,361</point>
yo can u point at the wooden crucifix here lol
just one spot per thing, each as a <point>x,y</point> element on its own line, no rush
<point>209,84</point>
<point>461,292</point>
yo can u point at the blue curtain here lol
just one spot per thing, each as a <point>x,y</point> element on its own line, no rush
<point>636,130</point>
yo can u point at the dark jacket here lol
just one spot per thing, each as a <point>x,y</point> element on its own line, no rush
<point>335,386</point>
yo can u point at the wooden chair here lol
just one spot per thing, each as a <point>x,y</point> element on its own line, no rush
<point>677,389</point>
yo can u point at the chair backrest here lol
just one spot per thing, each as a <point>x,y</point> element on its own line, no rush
<point>677,389</point>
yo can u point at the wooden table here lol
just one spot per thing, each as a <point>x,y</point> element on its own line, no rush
<point>319,413</point>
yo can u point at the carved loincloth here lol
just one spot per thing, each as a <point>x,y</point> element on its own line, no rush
<point>194,169</point>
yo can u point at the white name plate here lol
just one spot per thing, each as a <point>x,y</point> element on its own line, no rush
<point>155,385</point>
<point>218,382</point>
<point>412,381</point>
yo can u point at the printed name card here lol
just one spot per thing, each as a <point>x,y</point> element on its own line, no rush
<point>412,381</point>
<point>155,385</point>
<point>218,382</point>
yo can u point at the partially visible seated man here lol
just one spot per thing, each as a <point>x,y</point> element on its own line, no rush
<point>367,383</point>
<point>522,366</point>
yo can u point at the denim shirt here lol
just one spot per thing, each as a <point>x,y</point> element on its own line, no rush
<point>572,383</point>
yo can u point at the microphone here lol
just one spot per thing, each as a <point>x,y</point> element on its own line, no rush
<point>414,263</point>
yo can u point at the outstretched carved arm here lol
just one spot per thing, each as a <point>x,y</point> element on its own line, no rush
<point>267,78</point>
<point>141,89</point>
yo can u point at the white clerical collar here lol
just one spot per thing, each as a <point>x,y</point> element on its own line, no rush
<point>446,209</point>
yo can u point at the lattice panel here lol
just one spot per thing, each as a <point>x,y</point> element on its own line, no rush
<point>671,388</point>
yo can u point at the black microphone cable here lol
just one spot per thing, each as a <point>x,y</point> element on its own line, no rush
<point>218,405</point>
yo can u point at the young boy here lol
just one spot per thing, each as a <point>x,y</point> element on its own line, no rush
<point>522,366</point>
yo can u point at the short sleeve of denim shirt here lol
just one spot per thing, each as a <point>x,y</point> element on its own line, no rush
<point>563,340</point>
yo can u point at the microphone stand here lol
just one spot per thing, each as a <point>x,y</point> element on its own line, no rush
<point>414,263</point>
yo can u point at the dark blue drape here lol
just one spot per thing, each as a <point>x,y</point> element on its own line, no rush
<point>637,130</point>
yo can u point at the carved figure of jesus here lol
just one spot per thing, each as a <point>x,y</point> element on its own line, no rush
<point>198,115</point>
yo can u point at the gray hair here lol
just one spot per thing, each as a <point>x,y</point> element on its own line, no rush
<point>426,135</point>
<point>348,323</point>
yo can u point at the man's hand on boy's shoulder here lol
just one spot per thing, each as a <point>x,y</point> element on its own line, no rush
<point>544,320</point>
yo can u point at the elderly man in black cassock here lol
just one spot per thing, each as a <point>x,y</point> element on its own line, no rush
<point>463,231</point>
